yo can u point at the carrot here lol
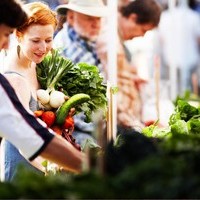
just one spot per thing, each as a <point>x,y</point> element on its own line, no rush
<point>38,113</point>
<point>68,123</point>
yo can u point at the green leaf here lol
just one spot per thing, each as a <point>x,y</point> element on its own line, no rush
<point>44,163</point>
<point>179,127</point>
<point>114,89</point>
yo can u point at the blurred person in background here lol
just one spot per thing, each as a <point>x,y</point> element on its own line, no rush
<point>135,18</point>
<point>61,20</point>
<point>195,5</point>
<point>77,41</point>
<point>179,32</point>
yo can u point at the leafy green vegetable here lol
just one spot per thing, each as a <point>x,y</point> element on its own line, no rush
<point>51,70</point>
<point>155,131</point>
<point>179,127</point>
<point>114,89</point>
<point>181,143</point>
<point>57,72</point>
<point>85,78</point>
<point>183,111</point>
<point>187,96</point>
<point>183,131</point>
<point>129,148</point>
<point>194,126</point>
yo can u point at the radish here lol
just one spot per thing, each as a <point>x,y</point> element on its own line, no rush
<point>44,106</point>
<point>57,98</point>
<point>43,96</point>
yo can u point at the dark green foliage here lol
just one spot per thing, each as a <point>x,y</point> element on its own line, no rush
<point>183,111</point>
<point>194,126</point>
<point>136,167</point>
<point>160,176</point>
<point>130,147</point>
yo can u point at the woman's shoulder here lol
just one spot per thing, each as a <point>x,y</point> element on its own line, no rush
<point>15,77</point>
<point>21,87</point>
<point>13,73</point>
<point>17,80</point>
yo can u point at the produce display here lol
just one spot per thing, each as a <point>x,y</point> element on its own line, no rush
<point>159,163</point>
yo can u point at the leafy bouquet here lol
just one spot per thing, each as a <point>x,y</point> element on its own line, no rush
<point>65,85</point>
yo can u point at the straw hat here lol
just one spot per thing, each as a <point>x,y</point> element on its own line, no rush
<point>94,8</point>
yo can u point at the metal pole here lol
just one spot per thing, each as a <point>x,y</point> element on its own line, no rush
<point>112,63</point>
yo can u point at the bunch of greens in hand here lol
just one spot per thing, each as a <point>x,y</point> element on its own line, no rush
<point>85,78</point>
<point>51,70</point>
<point>58,73</point>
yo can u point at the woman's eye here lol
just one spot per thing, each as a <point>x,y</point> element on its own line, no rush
<point>48,41</point>
<point>35,41</point>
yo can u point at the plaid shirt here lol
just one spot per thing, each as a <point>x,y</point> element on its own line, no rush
<point>76,48</point>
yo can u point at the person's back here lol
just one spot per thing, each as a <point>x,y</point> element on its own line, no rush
<point>181,24</point>
<point>180,35</point>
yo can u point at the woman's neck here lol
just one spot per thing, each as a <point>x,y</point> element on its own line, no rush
<point>23,61</point>
<point>19,63</point>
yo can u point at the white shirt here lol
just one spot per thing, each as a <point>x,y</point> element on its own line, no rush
<point>180,30</point>
<point>18,126</point>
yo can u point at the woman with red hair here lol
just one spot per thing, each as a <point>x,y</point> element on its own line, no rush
<point>34,41</point>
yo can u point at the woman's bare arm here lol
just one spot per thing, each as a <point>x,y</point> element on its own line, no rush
<point>65,155</point>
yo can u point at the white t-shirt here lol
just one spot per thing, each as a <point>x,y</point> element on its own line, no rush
<point>18,126</point>
<point>179,30</point>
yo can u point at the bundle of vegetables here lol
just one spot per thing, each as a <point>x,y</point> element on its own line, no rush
<point>56,73</point>
<point>55,106</point>
<point>49,72</point>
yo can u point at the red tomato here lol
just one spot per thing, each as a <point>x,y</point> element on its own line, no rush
<point>48,117</point>
<point>150,122</point>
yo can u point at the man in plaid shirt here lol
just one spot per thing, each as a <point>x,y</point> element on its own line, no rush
<point>77,41</point>
<point>75,47</point>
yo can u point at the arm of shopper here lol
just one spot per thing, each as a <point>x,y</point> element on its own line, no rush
<point>64,154</point>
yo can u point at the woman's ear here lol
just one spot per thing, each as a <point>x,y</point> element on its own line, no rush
<point>18,35</point>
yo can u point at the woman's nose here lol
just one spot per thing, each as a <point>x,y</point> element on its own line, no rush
<point>42,46</point>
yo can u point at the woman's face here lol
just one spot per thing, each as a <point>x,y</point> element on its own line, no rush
<point>36,42</point>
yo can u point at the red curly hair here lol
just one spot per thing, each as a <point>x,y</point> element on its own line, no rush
<point>38,13</point>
